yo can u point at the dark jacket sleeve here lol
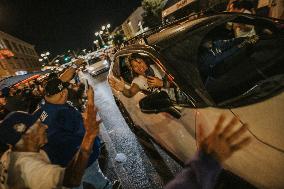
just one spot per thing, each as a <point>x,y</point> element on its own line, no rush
<point>199,173</point>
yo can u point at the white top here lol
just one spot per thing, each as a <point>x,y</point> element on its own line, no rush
<point>141,80</point>
<point>31,170</point>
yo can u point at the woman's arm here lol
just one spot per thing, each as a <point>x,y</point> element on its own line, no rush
<point>119,85</point>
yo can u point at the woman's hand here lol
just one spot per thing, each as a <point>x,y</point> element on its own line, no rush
<point>116,83</point>
<point>154,82</point>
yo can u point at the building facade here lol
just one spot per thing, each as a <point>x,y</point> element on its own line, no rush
<point>25,58</point>
<point>132,26</point>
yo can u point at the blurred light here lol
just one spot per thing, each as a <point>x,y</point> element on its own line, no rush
<point>56,61</point>
<point>40,59</point>
<point>101,32</point>
<point>103,27</point>
<point>97,33</point>
<point>45,57</point>
<point>47,53</point>
<point>108,26</point>
<point>42,54</point>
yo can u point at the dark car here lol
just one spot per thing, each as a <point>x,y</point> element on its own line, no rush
<point>214,72</point>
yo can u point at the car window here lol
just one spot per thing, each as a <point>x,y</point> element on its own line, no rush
<point>238,57</point>
<point>220,68</point>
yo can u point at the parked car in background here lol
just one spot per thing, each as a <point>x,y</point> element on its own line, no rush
<point>214,73</point>
<point>97,65</point>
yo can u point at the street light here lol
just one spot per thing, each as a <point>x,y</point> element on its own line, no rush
<point>96,42</point>
<point>99,34</point>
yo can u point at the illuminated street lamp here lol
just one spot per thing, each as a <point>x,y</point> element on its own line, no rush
<point>99,34</point>
<point>96,42</point>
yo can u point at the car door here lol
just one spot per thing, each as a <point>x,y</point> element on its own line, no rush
<point>246,82</point>
<point>175,135</point>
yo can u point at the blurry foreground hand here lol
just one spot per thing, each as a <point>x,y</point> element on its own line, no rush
<point>222,143</point>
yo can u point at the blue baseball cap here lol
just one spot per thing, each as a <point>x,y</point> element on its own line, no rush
<point>14,126</point>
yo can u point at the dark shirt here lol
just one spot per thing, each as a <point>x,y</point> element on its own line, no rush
<point>65,132</point>
<point>199,173</point>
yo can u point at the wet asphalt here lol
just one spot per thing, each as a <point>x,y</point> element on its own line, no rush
<point>147,165</point>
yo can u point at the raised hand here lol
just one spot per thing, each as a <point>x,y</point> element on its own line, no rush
<point>116,83</point>
<point>154,82</point>
<point>79,62</point>
<point>222,143</point>
<point>91,123</point>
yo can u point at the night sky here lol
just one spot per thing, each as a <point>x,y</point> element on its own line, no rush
<point>59,25</point>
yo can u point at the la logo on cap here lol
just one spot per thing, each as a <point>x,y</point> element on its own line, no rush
<point>60,87</point>
<point>20,128</point>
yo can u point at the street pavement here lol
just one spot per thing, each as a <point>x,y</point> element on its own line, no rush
<point>147,166</point>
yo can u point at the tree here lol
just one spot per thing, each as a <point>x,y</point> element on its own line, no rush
<point>118,39</point>
<point>152,16</point>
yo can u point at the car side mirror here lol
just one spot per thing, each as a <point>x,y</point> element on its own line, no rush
<point>158,102</point>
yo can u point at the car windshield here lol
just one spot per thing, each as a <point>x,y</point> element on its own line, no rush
<point>94,60</point>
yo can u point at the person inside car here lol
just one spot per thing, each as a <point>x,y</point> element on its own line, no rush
<point>243,30</point>
<point>147,77</point>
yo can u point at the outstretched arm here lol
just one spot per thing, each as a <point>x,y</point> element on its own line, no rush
<point>76,168</point>
<point>68,74</point>
<point>119,85</point>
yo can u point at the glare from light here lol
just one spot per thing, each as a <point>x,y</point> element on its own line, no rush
<point>108,25</point>
<point>40,59</point>
<point>101,32</point>
<point>47,53</point>
<point>97,33</point>
<point>103,27</point>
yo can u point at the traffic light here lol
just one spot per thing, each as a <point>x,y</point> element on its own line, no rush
<point>67,58</point>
